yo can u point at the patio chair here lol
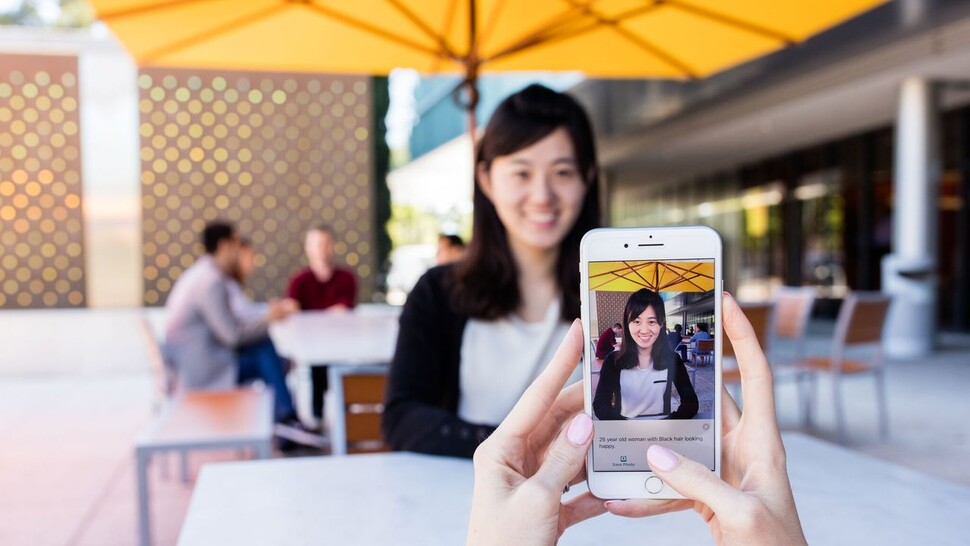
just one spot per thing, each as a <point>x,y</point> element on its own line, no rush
<point>792,310</point>
<point>759,314</point>
<point>703,352</point>
<point>162,373</point>
<point>363,405</point>
<point>859,326</point>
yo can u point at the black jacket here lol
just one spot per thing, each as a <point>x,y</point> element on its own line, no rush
<point>421,405</point>
<point>607,402</point>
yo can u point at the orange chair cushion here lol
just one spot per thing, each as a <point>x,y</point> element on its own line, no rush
<point>826,364</point>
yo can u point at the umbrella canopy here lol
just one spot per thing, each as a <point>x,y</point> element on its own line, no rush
<point>606,38</point>
<point>668,276</point>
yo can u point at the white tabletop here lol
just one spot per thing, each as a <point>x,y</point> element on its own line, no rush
<point>366,335</point>
<point>843,498</point>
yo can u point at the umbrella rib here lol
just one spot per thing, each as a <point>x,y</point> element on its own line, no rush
<point>696,274</point>
<point>540,35</point>
<point>427,30</point>
<point>208,33</point>
<point>636,271</point>
<point>614,274</point>
<point>640,42</point>
<point>548,34</point>
<point>614,23</point>
<point>656,51</point>
<point>320,10</point>
<point>492,20</point>
<point>733,21</point>
<point>693,270</point>
<point>146,8</point>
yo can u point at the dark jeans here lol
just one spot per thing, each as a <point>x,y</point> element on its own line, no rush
<point>260,361</point>
<point>318,378</point>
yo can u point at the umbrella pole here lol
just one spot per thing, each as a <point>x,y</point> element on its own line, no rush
<point>471,86</point>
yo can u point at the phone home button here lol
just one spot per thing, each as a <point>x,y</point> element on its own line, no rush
<point>654,485</point>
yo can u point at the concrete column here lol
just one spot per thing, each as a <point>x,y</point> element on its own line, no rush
<point>909,273</point>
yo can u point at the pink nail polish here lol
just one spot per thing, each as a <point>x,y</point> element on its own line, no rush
<point>662,458</point>
<point>579,429</point>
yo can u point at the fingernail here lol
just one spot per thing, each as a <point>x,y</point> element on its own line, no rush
<point>579,429</point>
<point>662,458</point>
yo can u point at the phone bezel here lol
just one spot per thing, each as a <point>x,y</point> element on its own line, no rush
<point>647,243</point>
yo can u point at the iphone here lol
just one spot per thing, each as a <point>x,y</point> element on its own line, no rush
<point>651,310</point>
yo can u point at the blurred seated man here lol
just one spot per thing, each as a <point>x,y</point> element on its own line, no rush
<point>211,347</point>
<point>700,333</point>
<point>450,249</point>
<point>322,287</point>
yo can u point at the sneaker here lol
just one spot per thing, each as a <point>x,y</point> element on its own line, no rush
<point>295,432</point>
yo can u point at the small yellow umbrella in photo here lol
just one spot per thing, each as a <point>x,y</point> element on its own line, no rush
<point>667,276</point>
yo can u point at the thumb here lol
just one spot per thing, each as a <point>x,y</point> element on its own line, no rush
<point>692,479</point>
<point>565,457</point>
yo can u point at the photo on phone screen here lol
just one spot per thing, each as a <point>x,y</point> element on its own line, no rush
<point>651,383</point>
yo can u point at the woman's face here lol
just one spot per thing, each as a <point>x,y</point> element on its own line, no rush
<point>247,261</point>
<point>645,328</point>
<point>537,192</point>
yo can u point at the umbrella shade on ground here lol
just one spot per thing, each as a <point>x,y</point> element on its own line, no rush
<point>605,38</point>
<point>668,276</point>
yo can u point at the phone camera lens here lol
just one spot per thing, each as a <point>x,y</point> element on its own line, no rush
<point>626,245</point>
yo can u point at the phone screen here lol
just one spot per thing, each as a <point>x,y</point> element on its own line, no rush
<point>650,383</point>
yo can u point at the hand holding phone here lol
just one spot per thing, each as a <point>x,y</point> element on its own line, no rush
<point>753,454</point>
<point>537,451</point>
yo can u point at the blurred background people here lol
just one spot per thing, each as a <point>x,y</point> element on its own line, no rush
<point>676,340</point>
<point>451,248</point>
<point>209,345</point>
<point>242,305</point>
<point>322,286</point>
<point>474,334</point>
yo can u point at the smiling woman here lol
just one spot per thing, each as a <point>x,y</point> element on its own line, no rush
<point>644,379</point>
<point>475,334</point>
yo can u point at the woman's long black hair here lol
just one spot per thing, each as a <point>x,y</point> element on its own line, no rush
<point>663,356</point>
<point>486,280</point>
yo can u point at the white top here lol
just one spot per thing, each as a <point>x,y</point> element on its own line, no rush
<point>844,498</point>
<point>501,358</point>
<point>642,391</point>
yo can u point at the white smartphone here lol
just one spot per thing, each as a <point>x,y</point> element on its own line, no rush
<point>645,382</point>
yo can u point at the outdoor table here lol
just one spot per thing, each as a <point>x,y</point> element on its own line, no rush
<point>359,341</point>
<point>843,497</point>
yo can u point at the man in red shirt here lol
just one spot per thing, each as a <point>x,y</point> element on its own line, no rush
<point>322,287</point>
<point>607,340</point>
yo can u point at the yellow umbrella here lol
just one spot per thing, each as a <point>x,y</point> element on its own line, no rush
<point>676,276</point>
<point>605,38</point>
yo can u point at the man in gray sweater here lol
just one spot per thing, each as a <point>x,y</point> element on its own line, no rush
<point>208,345</point>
